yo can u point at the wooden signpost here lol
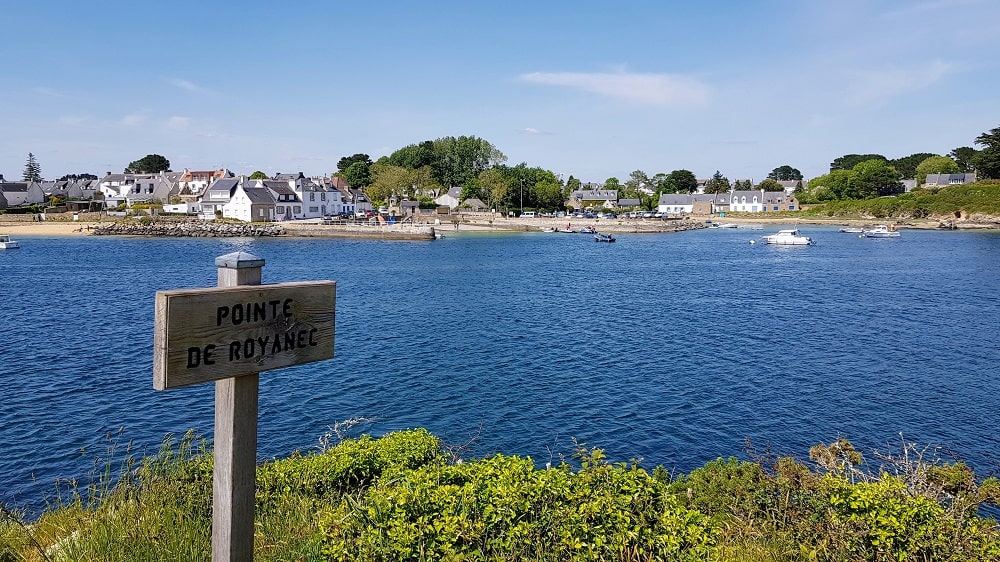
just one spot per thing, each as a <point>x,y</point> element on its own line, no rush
<point>229,334</point>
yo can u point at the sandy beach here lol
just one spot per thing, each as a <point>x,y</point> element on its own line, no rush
<point>45,228</point>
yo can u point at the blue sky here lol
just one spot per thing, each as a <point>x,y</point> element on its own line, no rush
<point>586,88</point>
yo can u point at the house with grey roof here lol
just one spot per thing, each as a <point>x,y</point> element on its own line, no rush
<point>937,180</point>
<point>249,203</point>
<point>693,203</point>
<point>214,198</point>
<point>593,199</point>
<point>288,206</point>
<point>3,200</point>
<point>22,193</point>
<point>760,201</point>
<point>451,199</point>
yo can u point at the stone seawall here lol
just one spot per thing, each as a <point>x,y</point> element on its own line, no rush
<point>186,229</point>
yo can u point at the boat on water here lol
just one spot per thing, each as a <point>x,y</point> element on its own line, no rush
<point>852,229</point>
<point>724,225</point>
<point>7,244</point>
<point>881,231</point>
<point>588,230</point>
<point>599,237</point>
<point>788,237</point>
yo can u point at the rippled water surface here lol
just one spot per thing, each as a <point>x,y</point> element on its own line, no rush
<point>673,348</point>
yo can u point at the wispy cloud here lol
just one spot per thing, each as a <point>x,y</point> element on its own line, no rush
<point>50,92</point>
<point>875,85</point>
<point>186,85</point>
<point>178,123</point>
<point>133,120</point>
<point>650,89</point>
<point>533,131</point>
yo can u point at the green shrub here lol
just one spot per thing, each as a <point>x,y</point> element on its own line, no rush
<point>503,508</point>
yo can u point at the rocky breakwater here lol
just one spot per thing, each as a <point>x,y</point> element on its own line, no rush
<point>206,229</point>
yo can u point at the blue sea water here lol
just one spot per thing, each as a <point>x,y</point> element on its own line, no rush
<point>672,348</point>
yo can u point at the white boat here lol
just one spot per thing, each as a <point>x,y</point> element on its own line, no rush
<point>881,231</point>
<point>726,225</point>
<point>789,237</point>
<point>7,244</point>
<point>852,229</point>
<point>600,237</point>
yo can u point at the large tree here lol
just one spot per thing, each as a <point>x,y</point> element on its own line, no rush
<point>149,164</point>
<point>460,159</point>
<point>987,161</point>
<point>495,185</point>
<point>681,181</point>
<point>258,175</point>
<point>344,163</point>
<point>874,178</point>
<point>964,156</point>
<point>718,184</point>
<point>770,184</point>
<point>32,169</point>
<point>358,174</point>
<point>907,165</point>
<point>849,161</point>
<point>785,173</point>
<point>935,165</point>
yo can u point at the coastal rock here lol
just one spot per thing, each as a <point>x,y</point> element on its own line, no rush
<point>187,229</point>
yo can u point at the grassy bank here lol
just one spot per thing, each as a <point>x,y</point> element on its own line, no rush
<point>956,201</point>
<point>404,497</point>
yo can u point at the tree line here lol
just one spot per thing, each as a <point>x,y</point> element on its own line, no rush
<point>425,170</point>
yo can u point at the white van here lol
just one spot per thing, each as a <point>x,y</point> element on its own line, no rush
<point>528,215</point>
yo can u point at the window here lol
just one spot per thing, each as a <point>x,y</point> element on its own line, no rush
<point>791,207</point>
<point>322,196</point>
<point>775,207</point>
<point>312,195</point>
<point>296,209</point>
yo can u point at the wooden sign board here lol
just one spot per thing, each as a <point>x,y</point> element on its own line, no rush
<point>204,335</point>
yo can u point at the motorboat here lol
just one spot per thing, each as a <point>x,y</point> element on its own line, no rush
<point>599,237</point>
<point>788,237</point>
<point>852,229</point>
<point>588,230</point>
<point>7,244</point>
<point>881,231</point>
<point>724,225</point>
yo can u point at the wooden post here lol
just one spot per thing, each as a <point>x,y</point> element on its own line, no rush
<point>233,482</point>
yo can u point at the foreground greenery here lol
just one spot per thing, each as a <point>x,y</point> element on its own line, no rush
<point>404,497</point>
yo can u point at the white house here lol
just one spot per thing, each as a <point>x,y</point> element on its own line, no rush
<point>249,203</point>
<point>949,179</point>
<point>215,197</point>
<point>451,199</point>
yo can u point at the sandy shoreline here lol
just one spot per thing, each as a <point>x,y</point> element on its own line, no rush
<point>45,228</point>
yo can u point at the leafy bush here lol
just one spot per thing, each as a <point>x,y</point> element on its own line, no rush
<point>503,508</point>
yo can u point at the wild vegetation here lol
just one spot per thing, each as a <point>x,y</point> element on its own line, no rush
<point>952,201</point>
<point>404,496</point>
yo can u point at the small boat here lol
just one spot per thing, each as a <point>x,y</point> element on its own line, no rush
<point>881,231</point>
<point>588,230</point>
<point>852,229</point>
<point>7,244</point>
<point>599,237</point>
<point>724,225</point>
<point>789,237</point>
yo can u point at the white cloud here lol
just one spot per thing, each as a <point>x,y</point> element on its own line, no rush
<point>651,89</point>
<point>185,85</point>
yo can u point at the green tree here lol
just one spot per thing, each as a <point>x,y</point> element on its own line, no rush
<point>457,160</point>
<point>572,184</point>
<point>987,161</point>
<point>344,163</point>
<point>612,183</point>
<point>907,165</point>
<point>681,181</point>
<point>718,184</point>
<point>745,185</point>
<point>387,181</point>
<point>935,165</point>
<point>849,161</point>
<point>835,185</point>
<point>874,178</point>
<point>149,164</point>
<point>964,156</point>
<point>32,169</point>
<point>414,156</point>
<point>358,175</point>
<point>637,179</point>
<point>785,173</point>
<point>78,177</point>
<point>496,186</point>
<point>770,184</point>
<point>258,175</point>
